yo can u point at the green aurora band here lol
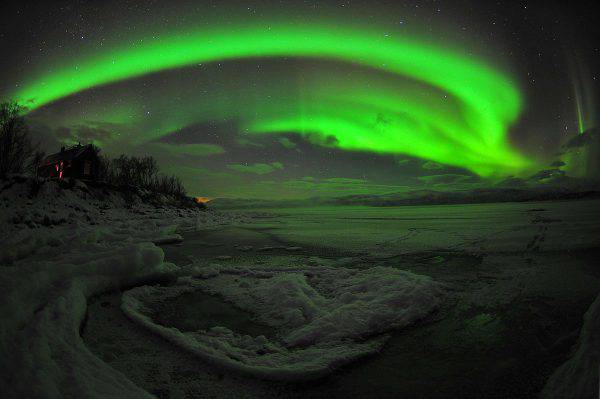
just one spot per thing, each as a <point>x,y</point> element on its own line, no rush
<point>462,121</point>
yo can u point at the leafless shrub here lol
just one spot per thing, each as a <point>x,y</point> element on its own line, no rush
<point>141,172</point>
<point>170,185</point>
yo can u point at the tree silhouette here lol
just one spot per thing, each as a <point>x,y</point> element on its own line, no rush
<point>18,154</point>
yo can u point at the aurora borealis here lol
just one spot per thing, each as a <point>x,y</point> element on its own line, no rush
<point>343,84</point>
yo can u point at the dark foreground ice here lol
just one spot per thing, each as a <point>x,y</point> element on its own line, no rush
<point>516,281</point>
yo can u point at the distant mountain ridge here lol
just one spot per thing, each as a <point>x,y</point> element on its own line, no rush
<point>419,197</point>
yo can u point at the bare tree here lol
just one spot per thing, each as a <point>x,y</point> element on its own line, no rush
<point>105,169</point>
<point>18,153</point>
<point>141,172</point>
<point>35,162</point>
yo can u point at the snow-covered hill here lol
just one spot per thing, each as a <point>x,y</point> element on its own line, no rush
<point>59,246</point>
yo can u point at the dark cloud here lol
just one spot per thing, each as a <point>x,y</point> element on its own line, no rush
<point>97,133</point>
<point>87,133</point>
<point>447,179</point>
<point>581,155</point>
<point>44,135</point>
<point>430,165</point>
<point>196,149</point>
<point>512,182</point>
<point>584,139</point>
<point>547,174</point>
<point>287,143</point>
<point>257,168</point>
<point>245,142</point>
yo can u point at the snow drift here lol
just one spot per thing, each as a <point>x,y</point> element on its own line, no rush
<point>62,245</point>
<point>59,247</point>
<point>325,317</point>
<point>579,377</point>
<point>42,308</point>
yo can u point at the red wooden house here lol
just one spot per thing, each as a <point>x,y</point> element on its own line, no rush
<point>79,161</point>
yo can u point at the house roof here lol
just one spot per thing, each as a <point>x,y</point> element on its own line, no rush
<point>68,154</point>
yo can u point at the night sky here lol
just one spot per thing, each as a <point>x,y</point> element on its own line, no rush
<point>301,99</point>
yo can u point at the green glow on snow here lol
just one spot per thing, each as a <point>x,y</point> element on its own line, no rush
<point>472,132</point>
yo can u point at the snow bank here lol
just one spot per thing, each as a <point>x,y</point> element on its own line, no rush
<point>326,317</point>
<point>59,247</point>
<point>42,308</point>
<point>34,217</point>
<point>63,245</point>
<point>579,377</point>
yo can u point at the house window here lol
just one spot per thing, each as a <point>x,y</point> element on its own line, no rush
<point>87,168</point>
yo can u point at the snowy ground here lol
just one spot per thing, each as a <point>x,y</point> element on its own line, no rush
<point>445,299</point>
<point>65,245</point>
<point>324,317</point>
<point>517,280</point>
<point>59,248</point>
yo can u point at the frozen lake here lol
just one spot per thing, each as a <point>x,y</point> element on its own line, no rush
<point>517,276</point>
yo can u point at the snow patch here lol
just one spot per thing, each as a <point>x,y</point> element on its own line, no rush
<point>325,317</point>
<point>579,376</point>
<point>42,308</point>
<point>59,247</point>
